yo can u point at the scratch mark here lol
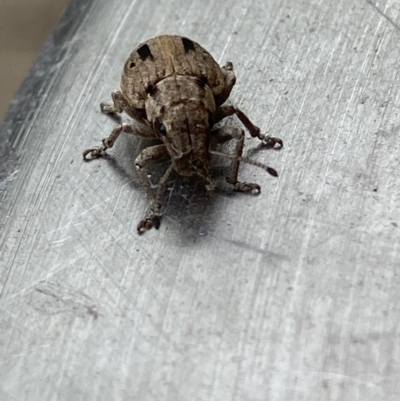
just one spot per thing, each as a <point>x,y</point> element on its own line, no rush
<point>47,292</point>
<point>252,248</point>
<point>328,375</point>
<point>68,302</point>
<point>61,240</point>
<point>383,15</point>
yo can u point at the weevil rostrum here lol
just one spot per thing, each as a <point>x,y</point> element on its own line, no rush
<point>175,87</point>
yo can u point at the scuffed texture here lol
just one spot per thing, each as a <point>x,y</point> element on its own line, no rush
<point>293,295</point>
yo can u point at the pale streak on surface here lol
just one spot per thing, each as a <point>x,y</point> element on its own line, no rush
<point>383,13</point>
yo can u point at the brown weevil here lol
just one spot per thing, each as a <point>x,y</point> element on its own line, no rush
<point>175,87</point>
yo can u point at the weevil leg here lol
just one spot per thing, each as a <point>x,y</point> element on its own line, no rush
<point>147,156</point>
<point>141,130</point>
<point>205,174</point>
<point>108,142</point>
<point>225,134</point>
<point>120,104</point>
<point>230,80</point>
<point>226,111</point>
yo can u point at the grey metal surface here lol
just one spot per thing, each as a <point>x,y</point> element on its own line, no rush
<point>291,295</point>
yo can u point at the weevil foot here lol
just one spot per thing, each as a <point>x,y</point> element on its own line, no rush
<point>248,187</point>
<point>153,219</point>
<point>270,142</point>
<point>211,185</point>
<point>100,150</point>
<point>107,142</point>
<point>148,223</point>
<point>108,108</point>
<point>94,153</point>
<point>228,66</point>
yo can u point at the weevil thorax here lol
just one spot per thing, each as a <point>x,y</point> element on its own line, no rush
<point>180,110</point>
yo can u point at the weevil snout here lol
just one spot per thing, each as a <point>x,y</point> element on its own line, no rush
<point>178,154</point>
<point>181,118</point>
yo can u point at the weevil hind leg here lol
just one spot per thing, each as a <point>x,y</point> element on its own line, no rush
<point>225,134</point>
<point>226,111</point>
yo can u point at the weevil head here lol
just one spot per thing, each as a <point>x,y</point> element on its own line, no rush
<point>180,110</point>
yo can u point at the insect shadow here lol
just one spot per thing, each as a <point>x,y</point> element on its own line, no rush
<point>189,208</point>
<point>259,148</point>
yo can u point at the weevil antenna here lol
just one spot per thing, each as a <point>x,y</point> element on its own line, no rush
<point>162,182</point>
<point>268,169</point>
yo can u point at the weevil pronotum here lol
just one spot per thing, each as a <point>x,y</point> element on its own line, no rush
<point>174,87</point>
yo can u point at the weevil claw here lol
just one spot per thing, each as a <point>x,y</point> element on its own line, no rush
<point>148,223</point>
<point>270,142</point>
<point>248,187</point>
<point>94,153</point>
<point>228,66</point>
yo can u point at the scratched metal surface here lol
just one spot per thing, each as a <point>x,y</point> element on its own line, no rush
<point>291,295</point>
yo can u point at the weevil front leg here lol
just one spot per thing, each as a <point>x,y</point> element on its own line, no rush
<point>141,130</point>
<point>120,104</point>
<point>108,142</point>
<point>225,134</point>
<point>230,80</point>
<point>150,155</point>
<point>226,111</point>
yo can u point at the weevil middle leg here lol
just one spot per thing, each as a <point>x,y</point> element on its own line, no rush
<point>150,155</point>
<point>225,134</point>
<point>226,111</point>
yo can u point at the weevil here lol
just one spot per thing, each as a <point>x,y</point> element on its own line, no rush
<point>175,88</point>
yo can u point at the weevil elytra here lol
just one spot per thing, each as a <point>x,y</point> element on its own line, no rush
<point>174,87</point>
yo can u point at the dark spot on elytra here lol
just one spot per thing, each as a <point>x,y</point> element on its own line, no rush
<point>163,108</point>
<point>187,44</point>
<point>131,64</point>
<point>151,90</point>
<point>210,120</point>
<point>144,52</point>
<point>202,81</point>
